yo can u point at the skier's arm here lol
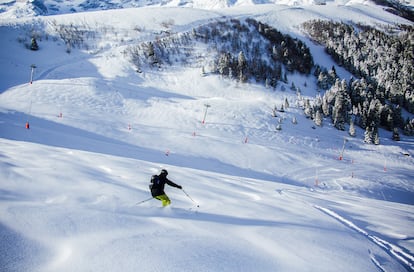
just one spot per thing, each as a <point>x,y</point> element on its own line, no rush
<point>169,182</point>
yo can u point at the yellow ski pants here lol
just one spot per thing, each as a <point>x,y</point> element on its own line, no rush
<point>165,200</point>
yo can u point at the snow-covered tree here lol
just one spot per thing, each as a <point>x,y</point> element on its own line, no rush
<point>268,82</point>
<point>286,103</point>
<point>341,105</point>
<point>223,64</point>
<point>241,66</point>
<point>292,86</point>
<point>203,71</point>
<point>376,138</point>
<point>323,80</point>
<point>326,108</point>
<point>318,118</point>
<point>409,127</point>
<point>332,76</point>
<point>274,112</point>
<point>395,134</point>
<point>352,131</point>
<point>308,109</point>
<point>34,46</point>
<point>368,135</point>
<point>151,55</point>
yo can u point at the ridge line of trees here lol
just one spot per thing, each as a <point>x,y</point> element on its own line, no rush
<point>242,49</point>
<point>383,63</point>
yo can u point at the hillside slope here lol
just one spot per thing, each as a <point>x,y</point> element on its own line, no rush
<point>74,187</point>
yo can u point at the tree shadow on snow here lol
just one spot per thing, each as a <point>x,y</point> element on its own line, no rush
<point>201,216</point>
<point>50,133</point>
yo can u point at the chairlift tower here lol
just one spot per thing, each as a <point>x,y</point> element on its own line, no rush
<point>205,112</point>
<point>33,67</point>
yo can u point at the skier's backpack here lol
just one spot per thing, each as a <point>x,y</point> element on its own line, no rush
<point>155,181</point>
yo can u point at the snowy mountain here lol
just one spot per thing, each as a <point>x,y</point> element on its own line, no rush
<point>82,130</point>
<point>52,7</point>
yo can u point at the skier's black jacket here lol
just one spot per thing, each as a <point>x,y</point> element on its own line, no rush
<point>158,183</point>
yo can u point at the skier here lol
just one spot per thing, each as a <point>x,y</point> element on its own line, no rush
<point>157,187</point>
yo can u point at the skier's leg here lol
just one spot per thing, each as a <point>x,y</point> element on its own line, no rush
<point>165,200</point>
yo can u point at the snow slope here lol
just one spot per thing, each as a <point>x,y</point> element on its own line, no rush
<point>71,186</point>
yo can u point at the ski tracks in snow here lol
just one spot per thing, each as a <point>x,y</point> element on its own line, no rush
<point>393,250</point>
<point>376,262</point>
<point>396,252</point>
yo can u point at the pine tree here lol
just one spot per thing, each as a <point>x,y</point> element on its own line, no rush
<point>150,49</point>
<point>286,103</point>
<point>395,134</point>
<point>340,108</point>
<point>397,117</point>
<point>292,86</point>
<point>326,108</point>
<point>332,76</point>
<point>323,81</point>
<point>389,122</point>
<point>267,83</point>
<point>274,110</point>
<point>352,131</point>
<point>280,120</point>
<point>151,55</point>
<point>375,135</point>
<point>318,104</point>
<point>241,65</point>
<point>318,118</point>
<point>285,79</point>
<point>363,118</point>
<point>275,53</point>
<point>223,64</point>
<point>368,135</point>
<point>308,109</point>
<point>409,127</point>
<point>34,46</point>
<point>374,113</point>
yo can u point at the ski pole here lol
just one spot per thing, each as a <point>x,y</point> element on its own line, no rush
<point>190,197</point>
<point>138,203</point>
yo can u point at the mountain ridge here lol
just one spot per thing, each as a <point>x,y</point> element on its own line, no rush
<point>18,9</point>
